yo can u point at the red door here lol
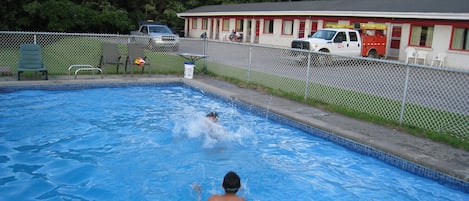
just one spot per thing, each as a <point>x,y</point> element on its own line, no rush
<point>395,42</point>
<point>301,33</point>
<point>314,27</point>
<point>256,39</point>
<point>257,27</point>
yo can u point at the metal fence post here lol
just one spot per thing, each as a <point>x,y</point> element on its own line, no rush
<point>308,72</point>
<point>249,64</point>
<point>404,96</point>
<point>204,69</point>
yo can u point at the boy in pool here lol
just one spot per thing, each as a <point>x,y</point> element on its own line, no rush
<point>214,131</point>
<point>212,116</point>
<point>231,184</point>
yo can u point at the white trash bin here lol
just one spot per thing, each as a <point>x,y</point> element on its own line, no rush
<point>189,69</point>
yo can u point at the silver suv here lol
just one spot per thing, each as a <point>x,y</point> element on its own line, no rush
<point>157,36</point>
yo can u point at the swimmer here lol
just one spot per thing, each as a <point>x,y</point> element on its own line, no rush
<point>231,184</point>
<point>212,116</point>
<point>215,132</point>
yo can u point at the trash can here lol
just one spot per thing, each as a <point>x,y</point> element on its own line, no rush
<point>189,69</point>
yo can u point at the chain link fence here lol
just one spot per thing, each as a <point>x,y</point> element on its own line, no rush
<point>435,99</point>
<point>61,50</point>
<point>417,96</point>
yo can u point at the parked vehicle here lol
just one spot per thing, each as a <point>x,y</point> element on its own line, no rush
<point>179,31</point>
<point>158,36</point>
<point>361,39</point>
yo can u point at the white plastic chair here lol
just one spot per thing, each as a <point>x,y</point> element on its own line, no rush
<point>440,59</point>
<point>411,54</point>
<point>421,55</point>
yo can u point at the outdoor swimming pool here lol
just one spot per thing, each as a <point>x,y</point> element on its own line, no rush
<point>152,143</point>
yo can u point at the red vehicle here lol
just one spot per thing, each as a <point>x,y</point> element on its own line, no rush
<point>373,40</point>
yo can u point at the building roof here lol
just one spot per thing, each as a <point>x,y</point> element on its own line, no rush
<point>423,9</point>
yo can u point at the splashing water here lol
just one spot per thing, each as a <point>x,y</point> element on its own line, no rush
<point>210,133</point>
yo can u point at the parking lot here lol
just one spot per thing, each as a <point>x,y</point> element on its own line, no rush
<point>425,86</point>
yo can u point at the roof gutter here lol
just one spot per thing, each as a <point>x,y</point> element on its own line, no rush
<point>415,15</point>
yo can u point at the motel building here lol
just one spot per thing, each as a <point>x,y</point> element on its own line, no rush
<point>435,27</point>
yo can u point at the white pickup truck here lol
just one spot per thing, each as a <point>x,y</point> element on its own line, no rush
<point>345,42</point>
<point>363,39</point>
<point>156,36</point>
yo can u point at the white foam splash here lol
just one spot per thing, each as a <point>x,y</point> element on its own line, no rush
<point>211,133</point>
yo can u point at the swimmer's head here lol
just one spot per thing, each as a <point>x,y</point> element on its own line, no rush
<point>231,182</point>
<point>213,116</point>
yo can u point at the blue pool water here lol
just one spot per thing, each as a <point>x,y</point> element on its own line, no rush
<point>153,143</point>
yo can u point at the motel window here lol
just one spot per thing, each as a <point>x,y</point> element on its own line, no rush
<point>421,36</point>
<point>268,26</point>
<point>204,24</point>
<point>194,23</point>
<point>287,27</point>
<point>239,25</point>
<point>460,40</point>
<point>226,24</point>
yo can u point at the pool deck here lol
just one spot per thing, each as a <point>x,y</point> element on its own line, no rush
<point>433,155</point>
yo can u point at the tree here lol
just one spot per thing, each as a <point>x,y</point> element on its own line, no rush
<point>60,16</point>
<point>10,9</point>
<point>112,20</point>
<point>101,16</point>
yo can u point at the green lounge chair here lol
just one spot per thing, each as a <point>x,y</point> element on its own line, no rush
<point>110,55</point>
<point>31,60</point>
<point>135,51</point>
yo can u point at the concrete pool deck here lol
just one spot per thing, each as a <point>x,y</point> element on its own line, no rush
<point>433,155</point>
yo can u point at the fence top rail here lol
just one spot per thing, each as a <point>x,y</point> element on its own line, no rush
<point>62,33</point>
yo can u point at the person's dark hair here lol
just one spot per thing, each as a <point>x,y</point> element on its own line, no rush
<point>231,182</point>
<point>212,114</point>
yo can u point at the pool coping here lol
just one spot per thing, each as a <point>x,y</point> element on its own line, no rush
<point>423,157</point>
